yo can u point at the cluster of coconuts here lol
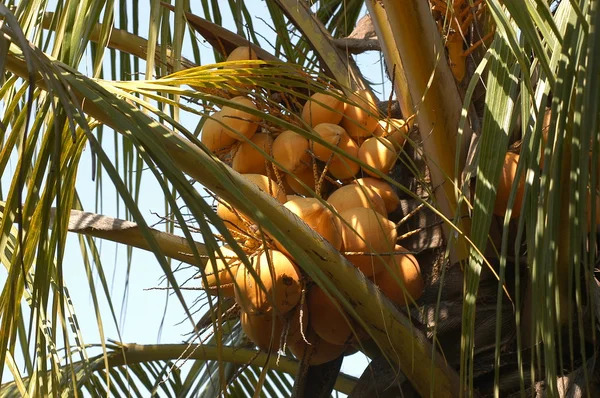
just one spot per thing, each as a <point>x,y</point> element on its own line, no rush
<point>279,307</point>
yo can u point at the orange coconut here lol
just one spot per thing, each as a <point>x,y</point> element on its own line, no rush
<point>267,185</point>
<point>359,117</point>
<point>405,269</point>
<point>326,319</point>
<point>306,176</point>
<point>341,167</point>
<point>507,176</point>
<point>383,189</point>
<point>332,134</point>
<point>354,195</point>
<point>242,53</point>
<point>281,284</point>
<point>394,130</point>
<point>240,123</point>
<point>262,332</point>
<point>234,220</point>
<point>290,150</point>
<point>224,269</point>
<point>367,232</point>
<point>322,108</point>
<point>314,213</point>
<point>378,153</point>
<point>318,351</point>
<point>250,159</point>
<point>213,134</point>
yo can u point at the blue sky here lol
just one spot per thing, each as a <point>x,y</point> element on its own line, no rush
<point>150,316</point>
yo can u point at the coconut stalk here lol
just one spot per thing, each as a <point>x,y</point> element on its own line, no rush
<point>405,346</point>
<point>438,107</point>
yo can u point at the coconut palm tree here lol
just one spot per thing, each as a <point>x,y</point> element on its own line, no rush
<point>497,193</point>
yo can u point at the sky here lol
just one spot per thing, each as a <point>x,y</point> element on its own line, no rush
<point>145,314</point>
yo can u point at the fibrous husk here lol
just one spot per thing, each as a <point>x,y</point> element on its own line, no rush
<point>318,351</point>
<point>331,133</point>
<point>359,120</point>
<point>367,232</point>
<point>354,195</point>
<point>213,134</point>
<point>313,212</point>
<point>378,153</point>
<point>290,150</point>
<point>224,270</point>
<point>240,123</point>
<point>322,108</point>
<point>249,159</point>
<point>406,268</point>
<point>385,190</point>
<point>262,332</point>
<point>281,280</point>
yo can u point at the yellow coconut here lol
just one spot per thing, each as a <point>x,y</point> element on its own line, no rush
<point>509,171</point>
<point>224,269</point>
<point>287,329</point>
<point>406,269</point>
<point>394,130</point>
<point>267,185</point>
<point>326,319</point>
<point>322,108</point>
<point>281,284</point>
<point>367,232</point>
<point>383,189</point>
<point>353,195</point>
<point>318,217</point>
<point>290,150</point>
<point>250,159</point>
<point>234,220</point>
<point>240,123</point>
<point>341,167</point>
<point>213,134</point>
<point>318,351</point>
<point>243,53</point>
<point>360,119</point>
<point>378,153</point>
<point>331,133</point>
<point>306,176</point>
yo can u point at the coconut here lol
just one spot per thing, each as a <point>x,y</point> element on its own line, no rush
<point>322,108</point>
<point>224,270</point>
<point>307,177</point>
<point>509,171</point>
<point>292,197</point>
<point>233,220</point>
<point>318,351</point>
<point>403,267</point>
<point>328,322</point>
<point>250,159</point>
<point>383,189</point>
<point>240,123</point>
<point>394,130</point>
<point>359,120</point>
<point>353,195</point>
<point>260,329</point>
<point>367,232</point>
<point>331,133</point>
<point>290,150</point>
<point>213,134</point>
<point>242,53</point>
<point>378,153</point>
<point>314,213</point>
<point>281,284</point>
<point>343,168</point>
<point>267,185</point>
